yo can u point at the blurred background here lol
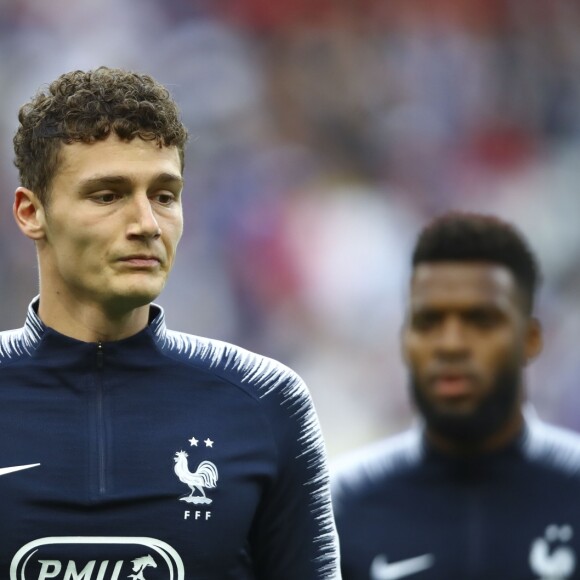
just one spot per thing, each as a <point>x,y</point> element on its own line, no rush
<point>324,134</point>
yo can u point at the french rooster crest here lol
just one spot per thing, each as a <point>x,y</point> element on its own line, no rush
<point>204,477</point>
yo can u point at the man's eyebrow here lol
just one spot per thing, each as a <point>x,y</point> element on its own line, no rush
<point>116,180</point>
<point>103,180</point>
<point>169,178</point>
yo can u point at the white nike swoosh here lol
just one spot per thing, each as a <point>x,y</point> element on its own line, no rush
<point>381,569</point>
<point>5,470</point>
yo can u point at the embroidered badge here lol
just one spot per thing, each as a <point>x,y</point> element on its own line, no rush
<point>550,556</point>
<point>204,477</point>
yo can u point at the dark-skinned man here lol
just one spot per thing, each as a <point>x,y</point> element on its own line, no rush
<point>479,488</point>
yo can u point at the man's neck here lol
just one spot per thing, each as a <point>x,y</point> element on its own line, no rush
<point>91,322</point>
<point>498,440</point>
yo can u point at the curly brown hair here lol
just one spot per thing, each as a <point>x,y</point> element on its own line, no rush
<point>87,106</point>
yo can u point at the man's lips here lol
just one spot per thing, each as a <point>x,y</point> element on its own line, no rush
<point>141,261</point>
<point>453,385</point>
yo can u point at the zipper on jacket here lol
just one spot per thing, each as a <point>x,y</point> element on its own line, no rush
<point>101,420</point>
<point>474,532</point>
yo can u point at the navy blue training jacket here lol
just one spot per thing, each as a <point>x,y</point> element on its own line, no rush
<point>404,511</point>
<point>162,456</point>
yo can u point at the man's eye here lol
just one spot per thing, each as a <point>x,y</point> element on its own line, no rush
<point>165,198</point>
<point>108,197</point>
<point>425,320</point>
<point>484,318</point>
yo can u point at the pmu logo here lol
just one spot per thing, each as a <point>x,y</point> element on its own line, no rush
<point>97,558</point>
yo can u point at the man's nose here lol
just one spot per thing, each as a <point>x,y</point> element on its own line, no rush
<point>142,220</point>
<point>452,337</point>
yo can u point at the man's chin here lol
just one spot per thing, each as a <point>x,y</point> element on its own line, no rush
<point>128,299</point>
<point>455,409</point>
<point>470,421</point>
<point>466,427</point>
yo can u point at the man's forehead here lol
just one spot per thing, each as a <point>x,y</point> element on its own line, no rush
<point>449,281</point>
<point>112,154</point>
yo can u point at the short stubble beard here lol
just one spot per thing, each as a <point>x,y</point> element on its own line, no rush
<point>473,429</point>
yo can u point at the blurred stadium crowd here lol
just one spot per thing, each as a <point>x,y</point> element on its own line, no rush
<point>324,133</point>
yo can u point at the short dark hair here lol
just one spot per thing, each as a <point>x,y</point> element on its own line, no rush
<point>474,237</point>
<point>88,106</point>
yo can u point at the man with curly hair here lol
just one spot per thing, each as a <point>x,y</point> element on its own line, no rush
<point>123,441</point>
<point>479,488</point>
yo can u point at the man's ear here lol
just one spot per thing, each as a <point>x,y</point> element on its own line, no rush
<point>29,213</point>
<point>534,339</point>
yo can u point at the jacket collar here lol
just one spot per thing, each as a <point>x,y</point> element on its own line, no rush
<point>34,329</point>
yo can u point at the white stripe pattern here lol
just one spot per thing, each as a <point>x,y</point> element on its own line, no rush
<point>21,341</point>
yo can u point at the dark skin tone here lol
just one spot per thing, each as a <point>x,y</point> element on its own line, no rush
<point>467,325</point>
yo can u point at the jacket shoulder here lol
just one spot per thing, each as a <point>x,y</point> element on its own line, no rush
<point>16,344</point>
<point>259,375</point>
<point>376,464</point>
<point>553,447</point>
